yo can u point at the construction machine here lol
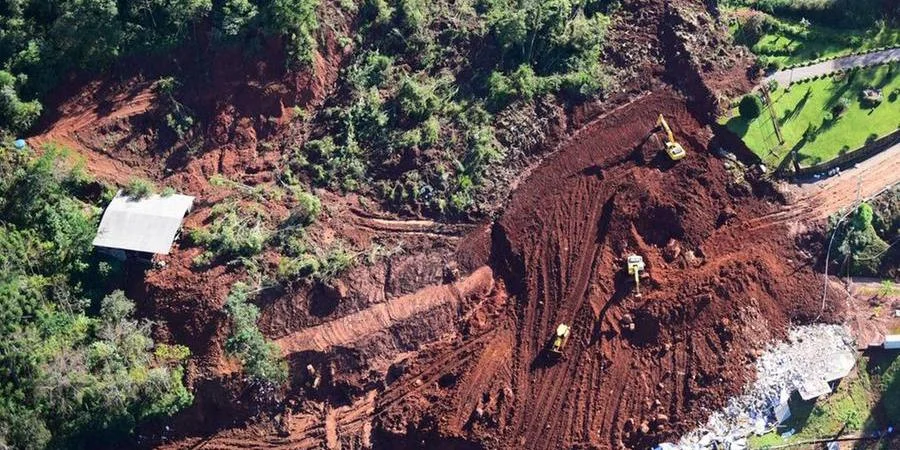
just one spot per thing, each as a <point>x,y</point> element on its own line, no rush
<point>560,340</point>
<point>673,148</point>
<point>635,266</point>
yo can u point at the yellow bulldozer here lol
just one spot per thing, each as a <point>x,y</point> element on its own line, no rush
<point>635,266</point>
<point>559,340</point>
<point>673,148</point>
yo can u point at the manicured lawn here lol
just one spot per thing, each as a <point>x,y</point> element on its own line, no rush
<point>809,103</point>
<point>789,43</point>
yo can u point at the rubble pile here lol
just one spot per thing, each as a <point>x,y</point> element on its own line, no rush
<point>811,352</point>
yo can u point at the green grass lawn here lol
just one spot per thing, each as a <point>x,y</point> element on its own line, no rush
<point>789,43</point>
<point>809,103</point>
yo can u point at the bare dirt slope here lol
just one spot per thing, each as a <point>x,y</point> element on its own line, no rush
<point>441,343</point>
<point>717,291</point>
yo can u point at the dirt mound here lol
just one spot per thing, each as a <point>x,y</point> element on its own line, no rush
<point>637,370</point>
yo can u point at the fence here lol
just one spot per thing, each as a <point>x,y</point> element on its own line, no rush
<point>853,157</point>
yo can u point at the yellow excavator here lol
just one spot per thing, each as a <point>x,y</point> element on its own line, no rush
<point>673,148</point>
<point>635,265</point>
<point>560,340</point>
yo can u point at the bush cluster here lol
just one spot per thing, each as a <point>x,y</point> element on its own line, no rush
<point>260,358</point>
<point>416,125</point>
<point>233,232</point>
<point>78,370</point>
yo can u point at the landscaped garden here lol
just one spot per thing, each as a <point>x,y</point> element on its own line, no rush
<point>823,118</point>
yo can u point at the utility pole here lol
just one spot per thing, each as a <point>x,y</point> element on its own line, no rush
<point>765,91</point>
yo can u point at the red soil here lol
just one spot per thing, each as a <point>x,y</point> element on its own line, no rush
<point>717,291</point>
<point>413,355</point>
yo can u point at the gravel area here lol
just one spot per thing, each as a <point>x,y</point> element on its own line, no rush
<point>811,353</point>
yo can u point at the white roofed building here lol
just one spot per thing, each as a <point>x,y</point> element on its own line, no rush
<point>147,225</point>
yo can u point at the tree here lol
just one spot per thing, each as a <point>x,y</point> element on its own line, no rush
<point>260,358</point>
<point>69,377</point>
<point>859,244</point>
<point>15,114</point>
<point>750,107</point>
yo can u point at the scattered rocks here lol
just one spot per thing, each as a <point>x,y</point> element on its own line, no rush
<point>780,370</point>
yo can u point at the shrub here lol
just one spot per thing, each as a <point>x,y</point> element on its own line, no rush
<point>260,358</point>
<point>138,188</point>
<point>810,133</point>
<point>417,100</point>
<point>232,233</point>
<point>307,210</point>
<point>871,139</point>
<point>750,107</point>
<point>840,107</point>
<point>296,21</point>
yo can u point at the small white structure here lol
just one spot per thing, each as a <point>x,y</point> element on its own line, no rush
<point>147,225</point>
<point>892,342</point>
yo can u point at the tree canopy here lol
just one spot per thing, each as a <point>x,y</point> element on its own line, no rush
<point>75,366</point>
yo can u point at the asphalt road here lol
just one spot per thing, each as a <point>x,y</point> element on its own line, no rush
<point>785,77</point>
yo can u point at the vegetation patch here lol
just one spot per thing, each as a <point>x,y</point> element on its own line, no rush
<point>260,358</point>
<point>415,123</point>
<point>782,42</point>
<point>77,370</point>
<point>824,118</point>
<point>847,410</point>
<point>42,42</point>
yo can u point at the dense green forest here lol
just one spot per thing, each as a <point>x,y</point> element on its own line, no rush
<point>76,368</point>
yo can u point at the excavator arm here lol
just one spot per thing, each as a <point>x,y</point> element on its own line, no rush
<point>661,122</point>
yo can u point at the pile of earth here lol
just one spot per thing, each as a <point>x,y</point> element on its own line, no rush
<point>637,370</point>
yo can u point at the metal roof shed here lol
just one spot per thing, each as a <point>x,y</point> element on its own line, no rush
<point>147,225</point>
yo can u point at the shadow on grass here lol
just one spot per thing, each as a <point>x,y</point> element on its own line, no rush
<point>738,126</point>
<point>791,113</point>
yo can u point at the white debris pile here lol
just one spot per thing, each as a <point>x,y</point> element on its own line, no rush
<point>814,352</point>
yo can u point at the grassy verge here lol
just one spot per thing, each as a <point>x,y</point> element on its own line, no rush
<point>788,42</point>
<point>811,104</point>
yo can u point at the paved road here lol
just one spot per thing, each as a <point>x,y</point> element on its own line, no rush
<point>785,77</point>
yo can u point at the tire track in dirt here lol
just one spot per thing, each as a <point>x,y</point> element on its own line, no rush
<point>349,328</point>
<point>713,285</point>
<point>77,118</point>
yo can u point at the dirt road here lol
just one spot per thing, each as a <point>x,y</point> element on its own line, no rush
<point>785,77</point>
<point>381,316</point>
<point>819,199</point>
